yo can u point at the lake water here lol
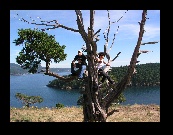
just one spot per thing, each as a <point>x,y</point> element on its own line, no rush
<point>35,85</point>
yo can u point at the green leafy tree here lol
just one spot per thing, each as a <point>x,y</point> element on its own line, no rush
<point>59,105</point>
<point>38,46</point>
<point>28,100</point>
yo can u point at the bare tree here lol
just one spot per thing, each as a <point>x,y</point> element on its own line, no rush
<point>96,105</point>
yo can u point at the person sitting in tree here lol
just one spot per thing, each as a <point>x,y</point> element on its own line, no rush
<point>81,58</point>
<point>101,64</point>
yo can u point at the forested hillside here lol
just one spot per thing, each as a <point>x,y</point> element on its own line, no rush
<point>147,75</point>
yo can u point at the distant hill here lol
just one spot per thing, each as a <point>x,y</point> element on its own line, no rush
<point>15,69</point>
<point>147,74</point>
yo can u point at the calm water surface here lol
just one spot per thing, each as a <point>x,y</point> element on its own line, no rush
<point>35,85</point>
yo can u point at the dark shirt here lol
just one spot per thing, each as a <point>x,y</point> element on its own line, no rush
<point>82,58</point>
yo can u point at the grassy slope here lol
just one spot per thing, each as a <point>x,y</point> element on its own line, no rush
<point>127,113</point>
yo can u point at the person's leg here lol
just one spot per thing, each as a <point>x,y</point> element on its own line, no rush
<point>102,73</point>
<point>109,79</point>
<point>72,68</point>
<point>82,69</point>
<point>79,69</point>
<point>105,75</point>
<point>73,71</point>
<point>103,78</point>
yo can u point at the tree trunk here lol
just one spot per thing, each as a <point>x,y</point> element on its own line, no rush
<point>96,101</point>
<point>95,106</point>
<point>91,107</point>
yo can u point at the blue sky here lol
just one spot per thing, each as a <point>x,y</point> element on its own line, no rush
<point>125,39</point>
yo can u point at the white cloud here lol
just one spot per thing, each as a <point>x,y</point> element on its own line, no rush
<point>152,32</point>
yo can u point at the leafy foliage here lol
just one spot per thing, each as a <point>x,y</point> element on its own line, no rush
<point>59,105</point>
<point>38,46</point>
<point>28,100</point>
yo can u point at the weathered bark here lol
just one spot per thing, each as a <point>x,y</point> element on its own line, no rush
<point>91,107</point>
<point>60,77</point>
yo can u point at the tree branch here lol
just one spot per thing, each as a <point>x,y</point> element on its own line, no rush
<point>123,83</point>
<point>81,26</point>
<point>61,77</point>
<point>115,57</point>
<point>56,25</point>
<point>150,42</point>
